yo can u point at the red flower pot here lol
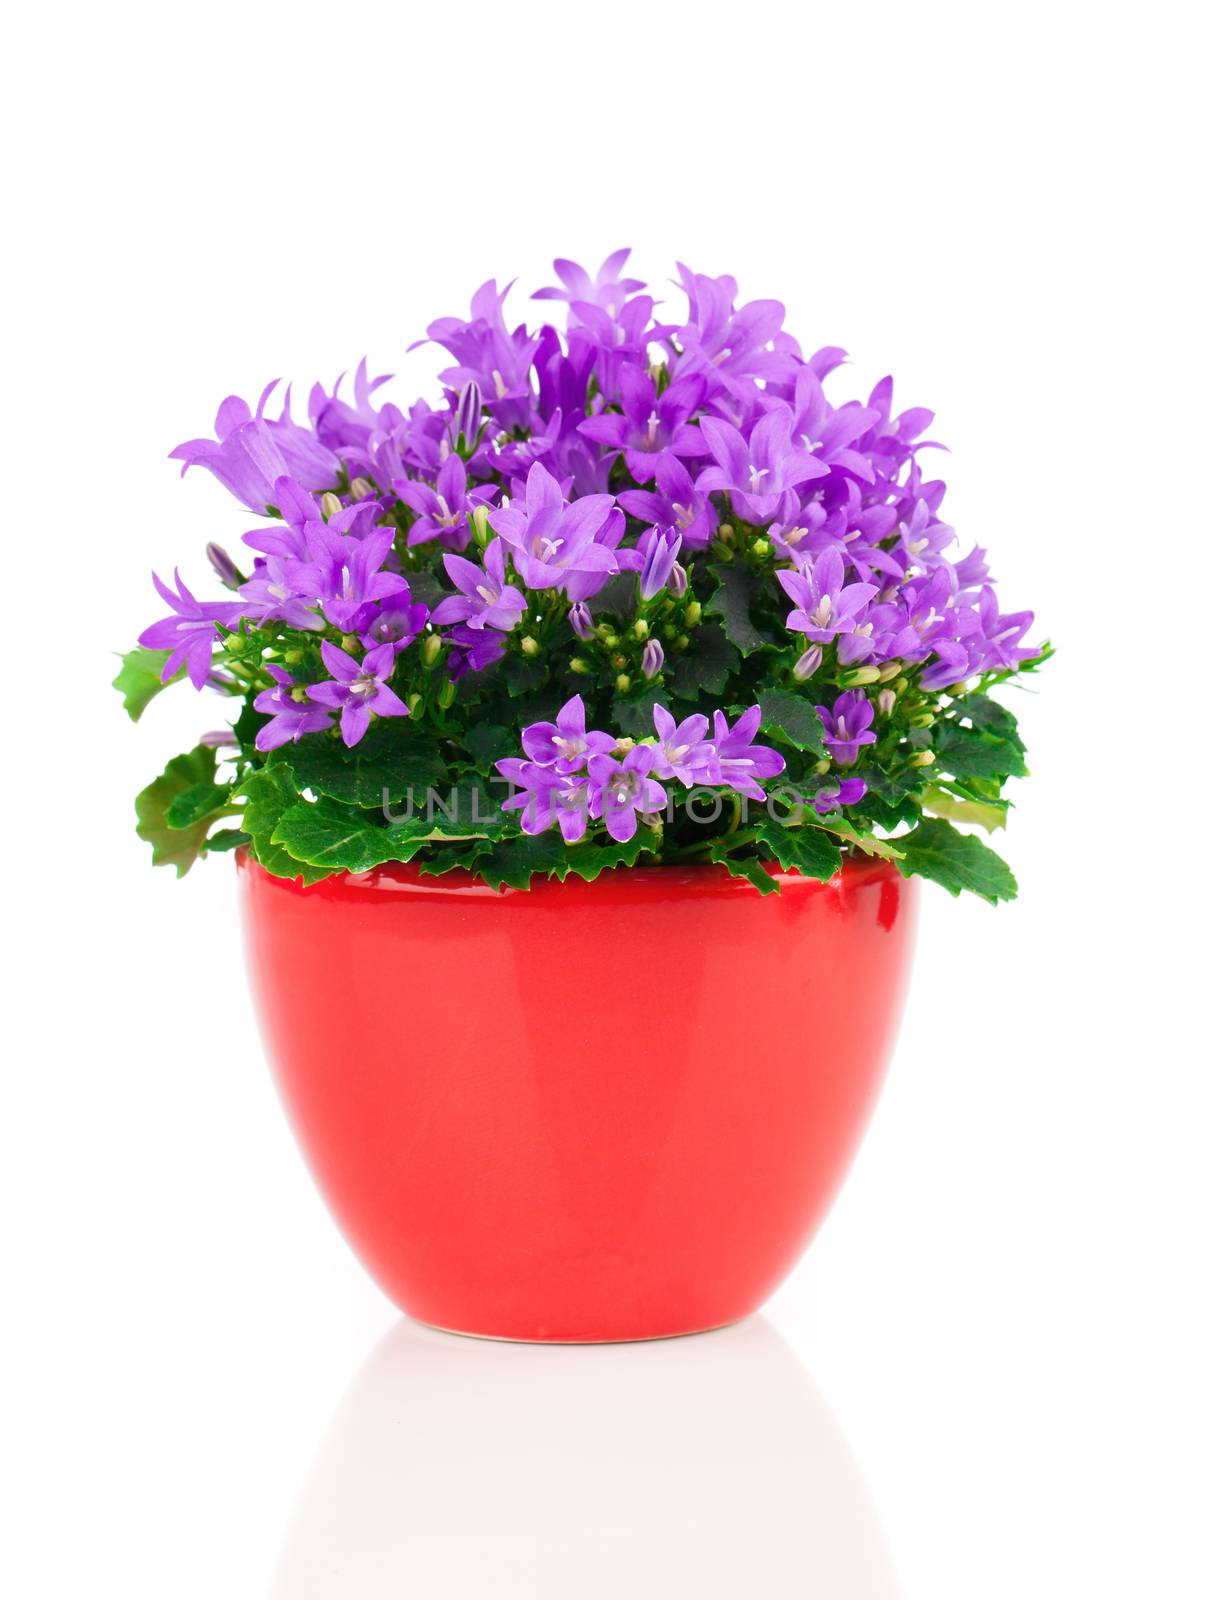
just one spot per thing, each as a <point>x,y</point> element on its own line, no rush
<point>588,1111</point>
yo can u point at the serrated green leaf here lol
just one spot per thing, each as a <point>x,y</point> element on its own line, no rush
<point>464,810</point>
<point>806,847</point>
<point>268,792</point>
<point>983,712</point>
<point>383,768</point>
<point>734,594</point>
<point>488,742</point>
<point>139,679</point>
<point>226,839</point>
<point>326,834</point>
<point>977,753</point>
<point>793,719</point>
<point>704,668</point>
<point>636,716</point>
<point>956,861</point>
<point>514,862</point>
<point>458,853</point>
<point>522,676</point>
<point>590,858</point>
<point>748,866</point>
<point>175,847</point>
<point>199,801</point>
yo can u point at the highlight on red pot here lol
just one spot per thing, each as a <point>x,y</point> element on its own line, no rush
<point>637,592</point>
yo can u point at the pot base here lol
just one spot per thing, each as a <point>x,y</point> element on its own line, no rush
<point>630,1338</point>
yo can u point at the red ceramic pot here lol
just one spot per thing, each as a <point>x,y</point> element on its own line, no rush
<point>588,1111</point>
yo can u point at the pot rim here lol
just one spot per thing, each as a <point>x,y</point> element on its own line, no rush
<point>398,877</point>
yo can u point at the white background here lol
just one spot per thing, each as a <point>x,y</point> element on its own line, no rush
<point>1011,1312</point>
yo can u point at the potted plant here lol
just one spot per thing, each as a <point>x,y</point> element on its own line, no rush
<point>591,728</point>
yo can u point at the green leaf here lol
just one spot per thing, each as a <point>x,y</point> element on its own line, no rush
<point>634,716</point>
<point>382,769</point>
<point>326,834</point>
<point>980,813</point>
<point>521,675</point>
<point>227,839</point>
<point>590,858</point>
<point>268,793</point>
<point>748,866</point>
<point>704,668</point>
<point>487,743</point>
<point>733,595</point>
<point>463,853</point>
<point>199,801</point>
<point>956,861</point>
<point>463,810</point>
<point>512,863</point>
<point>983,712</point>
<point>792,719</point>
<point>977,753</point>
<point>139,679</point>
<point>807,847</point>
<point>174,846</point>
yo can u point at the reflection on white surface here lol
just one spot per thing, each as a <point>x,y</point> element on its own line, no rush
<point>703,1466</point>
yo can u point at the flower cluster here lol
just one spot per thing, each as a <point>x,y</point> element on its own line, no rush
<point>655,518</point>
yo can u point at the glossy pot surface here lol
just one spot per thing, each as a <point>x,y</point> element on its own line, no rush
<point>586,1111</point>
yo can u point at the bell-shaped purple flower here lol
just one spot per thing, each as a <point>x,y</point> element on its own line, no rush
<point>737,761</point>
<point>847,726</point>
<point>623,790</point>
<point>190,633</point>
<point>358,689</point>
<point>486,600</point>
<point>290,718</point>
<point>566,743</point>
<point>556,544</point>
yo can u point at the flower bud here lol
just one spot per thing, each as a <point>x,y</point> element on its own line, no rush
<point>480,526</point>
<point>901,685</point>
<point>924,719</point>
<point>681,642</point>
<point>447,694</point>
<point>299,693</point>
<point>727,533</point>
<point>223,567</point>
<point>762,547</point>
<point>621,683</point>
<point>220,739</point>
<point>618,661</point>
<point>578,665</point>
<point>693,614</point>
<point>889,671</point>
<point>641,630</point>
<point>653,658</point>
<point>361,489</point>
<point>822,767</point>
<point>350,643</point>
<point>859,675</point>
<point>924,758</point>
<point>580,619</point>
<point>432,645</point>
<point>609,639</point>
<point>808,663</point>
<point>469,413</point>
<point>624,745</point>
<point>678,580</point>
<point>293,658</point>
<point>331,505</point>
<point>414,701</point>
<point>529,646</point>
<point>885,701</point>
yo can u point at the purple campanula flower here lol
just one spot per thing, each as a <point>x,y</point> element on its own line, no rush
<point>848,726</point>
<point>733,347</point>
<point>556,544</point>
<point>653,558</point>
<point>653,659</point>
<point>545,796</point>
<point>683,751</point>
<point>467,419</point>
<point>826,433</point>
<point>398,622</point>
<point>841,792</point>
<point>650,425</point>
<point>250,452</point>
<point>473,649</point>
<point>824,605</point>
<point>290,718</point>
<point>580,619</point>
<point>355,579</point>
<point>621,790</point>
<point>499,362</point>
<point>341,426</point>
<point>358,689</point>
<point>282,590</point>
<point>762,472</point>
<point>443,512</point>
<point>224,567</point>
<point>190,633</point>
<point>486,600</point>
<point>737,761</point>
<point>674,503</point>
<point>566,743</point>
<point>609,289</point>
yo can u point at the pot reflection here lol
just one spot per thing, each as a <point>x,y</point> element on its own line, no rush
<point>710,1466</point>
